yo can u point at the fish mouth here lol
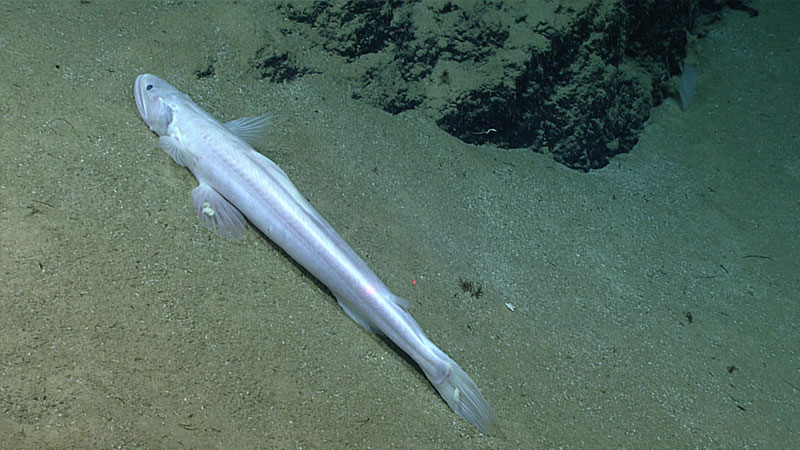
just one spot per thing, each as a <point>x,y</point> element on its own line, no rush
<point>138,95</point>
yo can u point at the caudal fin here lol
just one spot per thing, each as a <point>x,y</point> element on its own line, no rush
<point>466,400</point>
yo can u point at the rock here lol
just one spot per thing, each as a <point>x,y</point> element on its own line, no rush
<point>578,80</point>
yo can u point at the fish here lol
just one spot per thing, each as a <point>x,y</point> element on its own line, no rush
<point>236,183</point>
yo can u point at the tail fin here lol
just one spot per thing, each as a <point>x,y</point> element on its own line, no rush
<point>466,400</point>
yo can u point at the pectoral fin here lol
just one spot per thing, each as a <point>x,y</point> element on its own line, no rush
<point>218,214</point>
<point>174,149</point>
<point>252,130</point>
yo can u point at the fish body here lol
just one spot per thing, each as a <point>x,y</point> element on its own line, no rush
<point>237,182</point>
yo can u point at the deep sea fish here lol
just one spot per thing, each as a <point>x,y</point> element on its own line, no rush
<point>235,181</point>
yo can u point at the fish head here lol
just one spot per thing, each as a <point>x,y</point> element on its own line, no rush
<point>152,96</point>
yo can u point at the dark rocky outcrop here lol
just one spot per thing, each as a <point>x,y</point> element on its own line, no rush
<point>578,82</point>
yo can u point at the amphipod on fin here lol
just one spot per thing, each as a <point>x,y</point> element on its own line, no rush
<point>218,214</point>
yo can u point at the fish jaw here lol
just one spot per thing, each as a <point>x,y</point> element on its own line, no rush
<point>150,93</point>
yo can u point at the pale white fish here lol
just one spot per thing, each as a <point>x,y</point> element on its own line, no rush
<point>235,181</point>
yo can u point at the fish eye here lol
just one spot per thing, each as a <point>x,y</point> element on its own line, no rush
<point>148,87</point>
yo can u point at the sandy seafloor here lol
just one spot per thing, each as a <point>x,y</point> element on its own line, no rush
<point>126,324</point>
